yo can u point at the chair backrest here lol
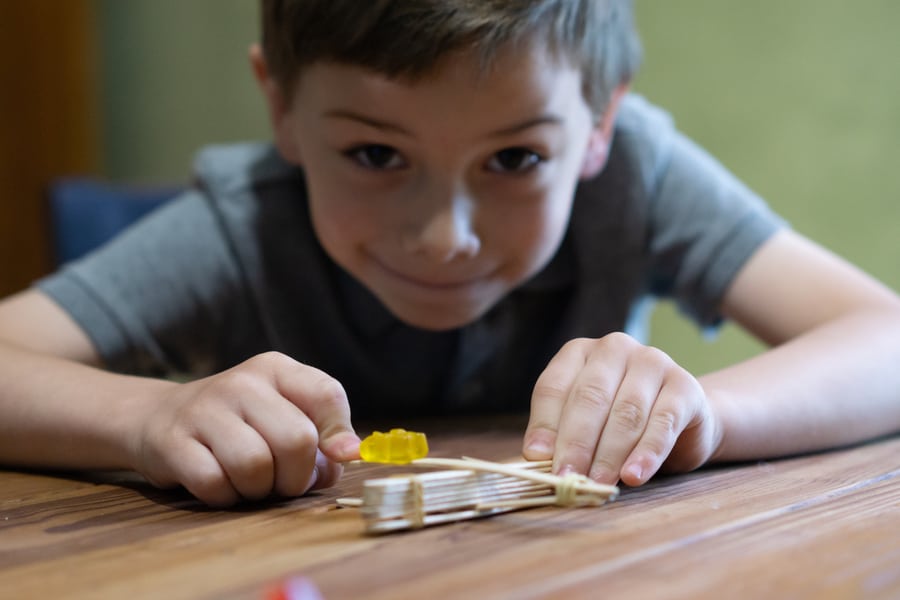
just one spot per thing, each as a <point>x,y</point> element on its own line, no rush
<point>85,213</point>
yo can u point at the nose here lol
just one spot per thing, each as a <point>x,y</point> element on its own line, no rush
<point>445,231</point>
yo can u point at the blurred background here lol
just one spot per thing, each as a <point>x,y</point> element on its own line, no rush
<point>800,99</point>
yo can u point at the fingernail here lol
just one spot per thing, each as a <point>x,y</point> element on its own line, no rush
<point>635,472</point>
<point>601,475</point>
<point>313,478</point>
<point>345,448</point>
<point>540,447</point>
<point>350,451</point>
<point>566,470</point>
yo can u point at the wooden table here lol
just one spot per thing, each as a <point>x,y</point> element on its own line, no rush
<point>819,526</point>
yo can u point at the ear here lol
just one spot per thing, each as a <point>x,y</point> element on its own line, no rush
<point>280,116</point>
<point>601,136</point>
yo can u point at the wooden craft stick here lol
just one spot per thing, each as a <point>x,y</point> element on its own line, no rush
<point>467,489</point>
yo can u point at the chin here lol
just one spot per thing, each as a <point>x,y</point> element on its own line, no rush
<point>435,319</point>
<point>437,323</point>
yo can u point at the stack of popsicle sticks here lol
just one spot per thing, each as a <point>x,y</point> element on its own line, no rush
<point>469,488</point>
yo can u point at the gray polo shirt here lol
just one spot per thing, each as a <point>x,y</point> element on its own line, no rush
<point>232,268</point>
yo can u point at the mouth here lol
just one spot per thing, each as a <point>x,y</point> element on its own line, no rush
<point>430,281</point>
<point>439,300</point>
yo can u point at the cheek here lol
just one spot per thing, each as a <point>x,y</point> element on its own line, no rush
<point>551,227</point>
<point>556,206</point>
<point>532,231</point>
<point>341,223</point>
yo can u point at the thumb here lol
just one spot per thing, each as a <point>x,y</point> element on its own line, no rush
<point>322,398</point>
<point>340,447</point>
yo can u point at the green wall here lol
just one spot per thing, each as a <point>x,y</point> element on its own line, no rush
<point>799,98</point>
<point>176,77</point>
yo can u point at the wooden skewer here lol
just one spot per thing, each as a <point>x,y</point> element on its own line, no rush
<point>580,482</point>
<point>470,488</point>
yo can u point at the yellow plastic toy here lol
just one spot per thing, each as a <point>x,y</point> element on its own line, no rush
<point>397,447</point>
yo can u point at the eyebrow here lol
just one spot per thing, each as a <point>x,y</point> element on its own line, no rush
<point>548,119</point>
<point>524,125</point>
<point>353,116</point>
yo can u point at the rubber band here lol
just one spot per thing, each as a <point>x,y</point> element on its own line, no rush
<point>417,495</point>
<point>567,489</point>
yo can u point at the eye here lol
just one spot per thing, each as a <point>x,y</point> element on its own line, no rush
<point>514,160</point>
<point>376,156</point>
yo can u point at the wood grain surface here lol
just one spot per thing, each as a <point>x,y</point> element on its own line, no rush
<point>820,526</point>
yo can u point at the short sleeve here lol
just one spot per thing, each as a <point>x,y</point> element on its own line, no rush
<point>165,296</point>
<point>704,226</point>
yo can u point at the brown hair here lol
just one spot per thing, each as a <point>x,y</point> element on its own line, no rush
<point>406,38</point>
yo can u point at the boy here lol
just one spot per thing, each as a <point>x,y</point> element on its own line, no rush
<point>462,208</point>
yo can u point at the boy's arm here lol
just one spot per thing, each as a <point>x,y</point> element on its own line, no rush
<point>615,409</point>
<point>832,376</point>
<point>246,432</point>
<point>32,321</point>
<point>56,409</point>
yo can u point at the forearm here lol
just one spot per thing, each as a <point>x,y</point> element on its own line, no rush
<point>61,414</point>
<point>835,385</point>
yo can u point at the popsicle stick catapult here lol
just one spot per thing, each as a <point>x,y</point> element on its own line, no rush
<point>467,488</point>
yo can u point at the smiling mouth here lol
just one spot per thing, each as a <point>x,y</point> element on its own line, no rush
<point>434,285</point>
<point>430,283</point>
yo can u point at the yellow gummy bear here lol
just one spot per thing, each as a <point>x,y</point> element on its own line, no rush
<point>397,447</point>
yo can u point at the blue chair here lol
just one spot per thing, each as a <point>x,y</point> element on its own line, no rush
<point>85,212</point>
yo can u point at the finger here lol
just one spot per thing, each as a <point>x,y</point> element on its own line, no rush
<point>323,399</point>
<point>628,415</point>
<point>291,437</point>
<point>587,409</point>
<point>674,409</point>
<point>202,475</point>
<point>327,472</point>
<point>241,451</point>
<point>548,399</point>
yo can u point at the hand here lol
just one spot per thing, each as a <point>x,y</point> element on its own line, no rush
<point>614,409</point>
<point>247,432</point>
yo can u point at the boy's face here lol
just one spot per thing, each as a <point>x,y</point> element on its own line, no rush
<point>442,195</point>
